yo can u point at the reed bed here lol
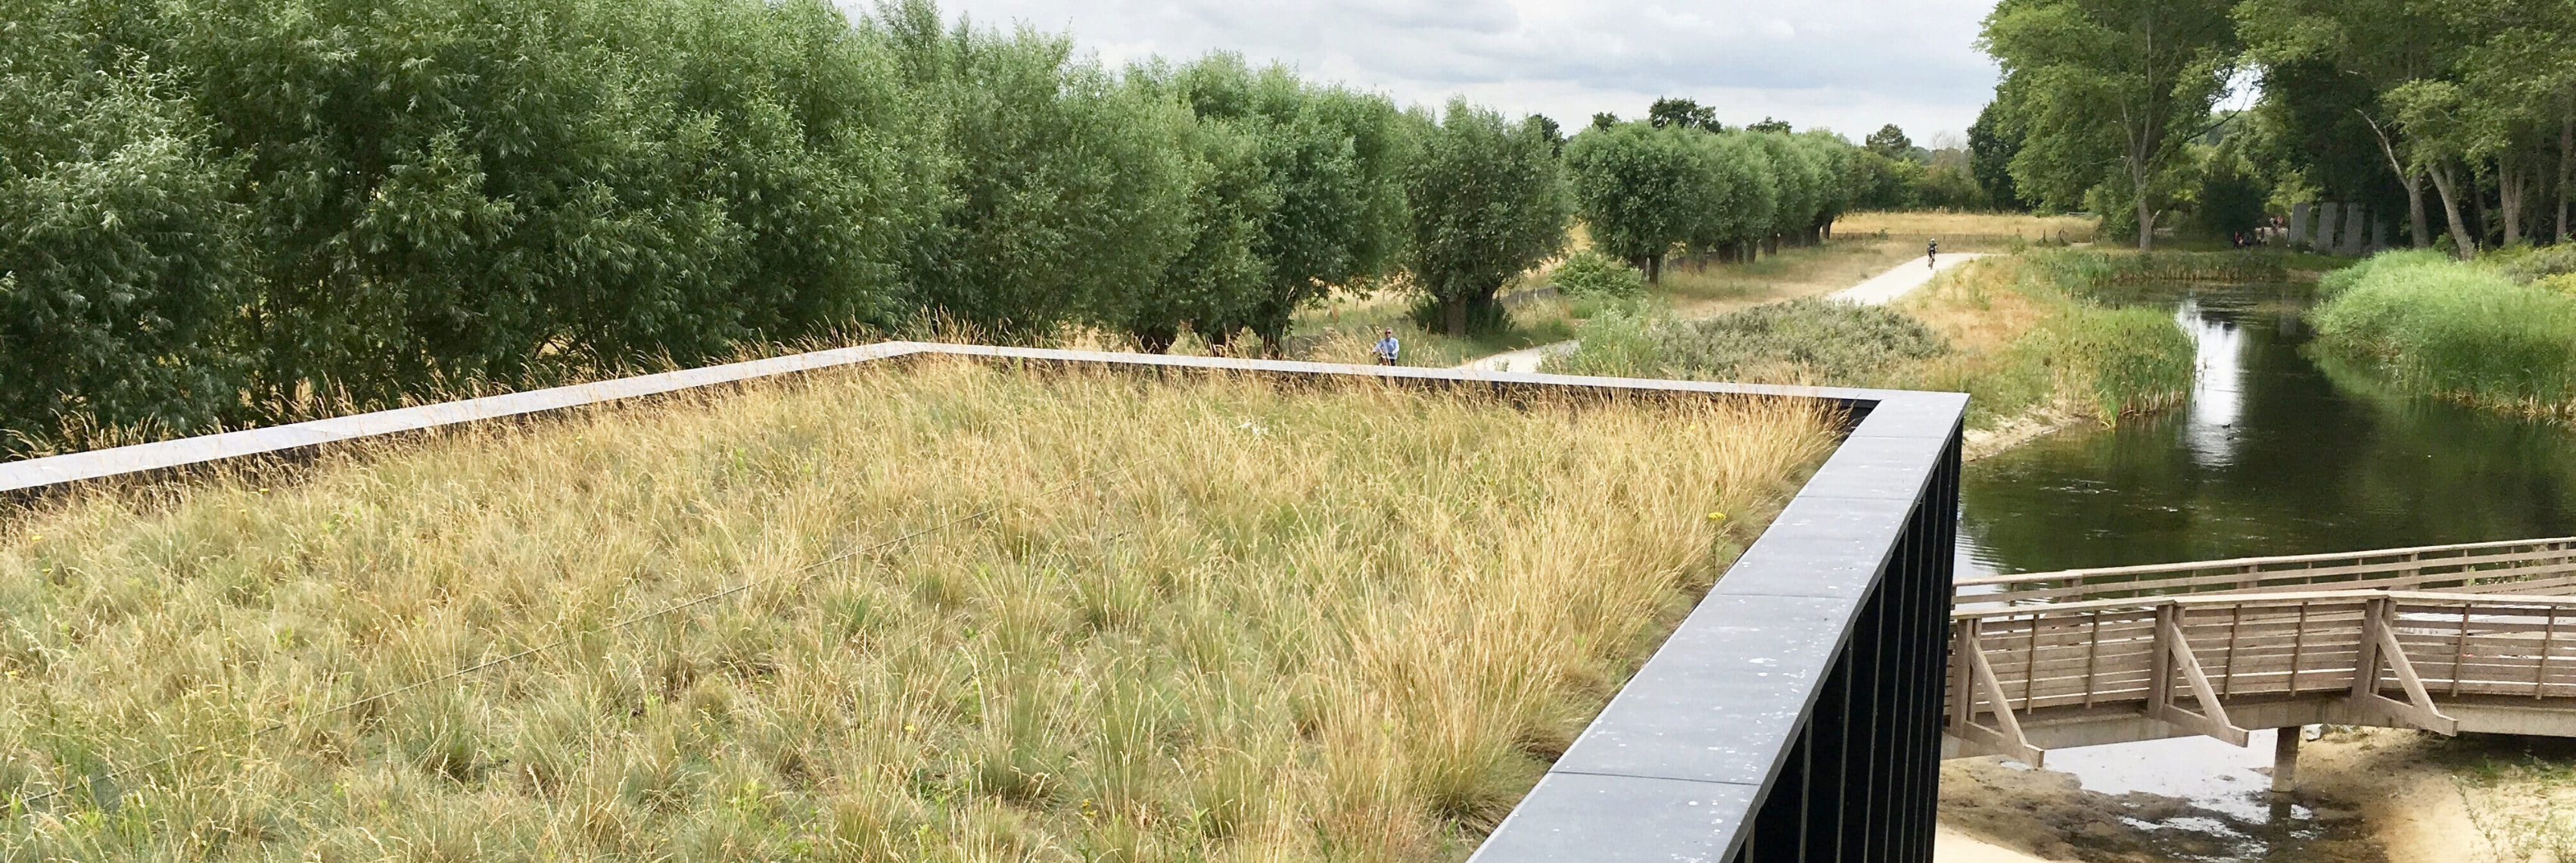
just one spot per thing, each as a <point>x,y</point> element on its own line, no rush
<point>1201,619</point>
<point>2459,331</point>
<point>2027,337</point>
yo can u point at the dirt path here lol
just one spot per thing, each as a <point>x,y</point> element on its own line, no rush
<point>1877,290</point>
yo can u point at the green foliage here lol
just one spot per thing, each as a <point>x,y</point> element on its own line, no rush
<point>1590,273</point>
<point>1067,188</point>
<point>2457,331</point>
<point>1890,142</point>
<point>2106,94</point>
<point>2335,283</point>
<point>1640,188</point>
<point>1672,113</point>
<point>1489,200</point>
<point>1881,183</point>
<point>1992,144</point>
<point>1745,200</point>
<point>2229,195</point>
<point>225,212</point>
<point>121,259</point>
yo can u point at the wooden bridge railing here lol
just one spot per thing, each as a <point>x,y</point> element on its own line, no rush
<point>2395,655</point>
<point>2521,566</point>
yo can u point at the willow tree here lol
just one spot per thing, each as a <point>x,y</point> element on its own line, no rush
<point>1489,201</point>
<point>2122,83</point>
<point>123,265</point>
<point>1640,189</point>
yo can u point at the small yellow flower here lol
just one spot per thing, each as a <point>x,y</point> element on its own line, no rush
<point>1714,515</point>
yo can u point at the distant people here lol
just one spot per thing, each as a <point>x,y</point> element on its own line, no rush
<point>1931,252</point>
<point>1387,347</point>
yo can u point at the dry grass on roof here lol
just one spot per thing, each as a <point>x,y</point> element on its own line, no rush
<point>1210,618</point>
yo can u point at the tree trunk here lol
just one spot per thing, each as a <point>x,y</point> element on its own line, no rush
<point>2509,189</point>
<point>1454,314</point>
<point>1157,339</point>
<point>2447,185</point>
<point>2478,209</point>
<point>2416,222</point>
<point>1654,269</point>
<point>2146,225</point>
<point>2566,155</point>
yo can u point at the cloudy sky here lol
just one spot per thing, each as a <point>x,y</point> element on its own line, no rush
<point>1847,65</point>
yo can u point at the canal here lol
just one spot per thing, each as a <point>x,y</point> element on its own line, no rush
<point>2277,452</point>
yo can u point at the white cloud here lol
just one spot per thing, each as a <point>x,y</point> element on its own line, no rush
<point>1848,65</point>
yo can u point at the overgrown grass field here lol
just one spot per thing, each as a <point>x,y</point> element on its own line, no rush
<point>1198,619</point>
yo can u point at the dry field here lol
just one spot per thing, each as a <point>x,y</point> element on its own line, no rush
<point>1196,619</point>
<point>1936,223</point>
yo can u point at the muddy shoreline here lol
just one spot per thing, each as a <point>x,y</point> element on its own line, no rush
<point>2366,795</point>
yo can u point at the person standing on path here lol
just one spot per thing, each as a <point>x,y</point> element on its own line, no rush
<point>1932,251</point>
<point>1387,347</point>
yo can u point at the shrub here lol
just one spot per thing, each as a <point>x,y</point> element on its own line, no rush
<point>1806,341</point>
<point>1591,273</point>
<point>2531,265</point>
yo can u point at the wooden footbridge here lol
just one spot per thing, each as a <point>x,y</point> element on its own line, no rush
<point>2478,637</point>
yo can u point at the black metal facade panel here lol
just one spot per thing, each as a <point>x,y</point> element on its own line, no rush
<point>1809,679</point>
<point>1793,716</point>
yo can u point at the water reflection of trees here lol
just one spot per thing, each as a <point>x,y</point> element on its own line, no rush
<point>2325,459</point>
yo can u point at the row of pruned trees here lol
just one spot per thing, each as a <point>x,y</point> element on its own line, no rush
<point>1646,190</point>
<point>234,211</point>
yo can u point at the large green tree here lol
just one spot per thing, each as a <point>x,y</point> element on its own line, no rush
<point>2320,52</point>
<point>1640,189</point>
<point>1992,144</point>
<point>1489,201</point>
<point>2108,92</point>
<point>1067,189</point>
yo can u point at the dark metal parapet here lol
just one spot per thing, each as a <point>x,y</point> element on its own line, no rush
<point>1795,715</point>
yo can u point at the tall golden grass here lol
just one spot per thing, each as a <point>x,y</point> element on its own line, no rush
<point>1935,222</point>
<point>1207,619</point>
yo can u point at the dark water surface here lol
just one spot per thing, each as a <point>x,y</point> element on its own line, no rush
<point>2276,453</point>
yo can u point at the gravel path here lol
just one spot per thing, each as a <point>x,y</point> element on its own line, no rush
<point>1886,287</point>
